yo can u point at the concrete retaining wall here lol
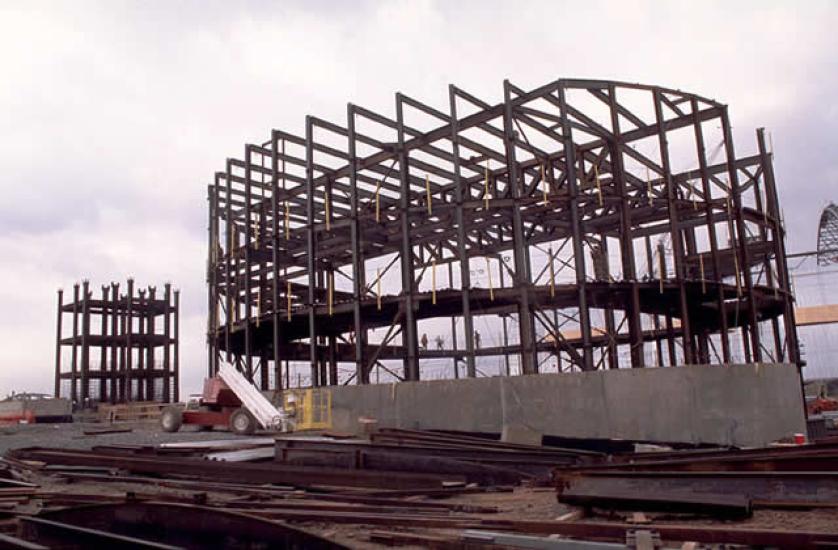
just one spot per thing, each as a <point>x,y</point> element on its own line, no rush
<point>742,405</point>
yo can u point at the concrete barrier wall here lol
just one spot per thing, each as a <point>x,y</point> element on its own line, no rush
<point>742,405</point>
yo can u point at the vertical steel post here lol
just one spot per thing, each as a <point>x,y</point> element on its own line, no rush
<point>74,367</point>
<point>742,236</point>
<point>275,240</point>
<point>129,341</point>
<point>210,278</point>
<point>529,358</point>
<point>117,347</point>
<point>248,240</point>
<point>103,350</point>
<point>462,194</point>
<point>167,372</point>
<point>230,288</point>
<point>711,228</point>
<point>85,344</point>
<point>151,393</point>
<point>57,389</point>
<point>778,240</point>
<point>358,266</point>
<point>411,362</point>
<point>627,260</point>
<point>576,230</point>
<point>311,259</point>
<point>675,231</point>
<point>176,338</point>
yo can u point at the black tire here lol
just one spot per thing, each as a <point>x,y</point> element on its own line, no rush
<point>171,419</point>
<point>242,422</point>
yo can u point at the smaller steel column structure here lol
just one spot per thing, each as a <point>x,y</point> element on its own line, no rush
<point>124,329</point>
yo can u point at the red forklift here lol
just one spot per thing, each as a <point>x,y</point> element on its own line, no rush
<point>218,406</point>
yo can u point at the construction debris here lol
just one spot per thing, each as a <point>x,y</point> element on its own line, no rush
<point>408,487</point>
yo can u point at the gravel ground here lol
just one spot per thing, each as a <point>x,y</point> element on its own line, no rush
<point>71,436</point>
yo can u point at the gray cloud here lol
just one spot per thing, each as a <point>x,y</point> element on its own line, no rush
<point>115,115</point>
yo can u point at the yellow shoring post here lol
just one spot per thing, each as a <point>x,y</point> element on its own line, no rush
<point>287,221</point>
<point>326,207</point>
<point>544,184</point>
<point>489,273</point>
<point>649,186</point>
<point>433,281</point>
<point>701,267</point>
<point>288,295</point>
<point>258,305</point>
<point>428,194</point>
<point>378,202</point>
<point>552,274</point>
<point>486,185</point>
<point>378,288</point>
<point>736,269</point>
<point>662,267</point>
<point>598,185</point>
<point>330,283</point>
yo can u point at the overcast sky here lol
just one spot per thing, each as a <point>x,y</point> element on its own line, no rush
<point>115,115</point>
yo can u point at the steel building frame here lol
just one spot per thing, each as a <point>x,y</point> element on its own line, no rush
<point>600,251</point>
<point>137,337</point>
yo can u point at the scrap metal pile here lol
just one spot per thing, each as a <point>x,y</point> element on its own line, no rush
<point>405,487</point>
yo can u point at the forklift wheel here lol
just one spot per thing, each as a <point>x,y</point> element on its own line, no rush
<point>242,422</point>
<point>171,419</point>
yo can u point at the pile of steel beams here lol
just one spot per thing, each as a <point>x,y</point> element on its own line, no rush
<point>248,492</point>
<point>603,224</point>
<point>726,483</point>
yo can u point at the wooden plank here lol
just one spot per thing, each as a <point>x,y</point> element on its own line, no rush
<point>816,315</point>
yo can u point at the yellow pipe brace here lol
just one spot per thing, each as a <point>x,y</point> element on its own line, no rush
<point>288,294</point>
<point>486,185</point>
<point>703,281</point>
<point>377,202</point>
<point>330,280</point>
<point>328,214</point>
<point>433,281</point>
<point>662,268</point>
<point>544,185</point>
<point>258,306</point>
<point>428,194</point>
<point>378,288</point>
<point>598,186</point>
<point>552,274</point>
<point>491,287</point>
<point>649,186</point>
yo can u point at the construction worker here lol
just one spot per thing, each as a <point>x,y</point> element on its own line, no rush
<point>439,342</point>
<point>476,340</point>
<point>424,341</point>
